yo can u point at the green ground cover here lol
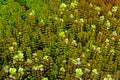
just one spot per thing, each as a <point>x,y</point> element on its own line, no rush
<point>59,40</point>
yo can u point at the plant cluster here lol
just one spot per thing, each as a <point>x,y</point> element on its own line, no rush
<point>59,40</point>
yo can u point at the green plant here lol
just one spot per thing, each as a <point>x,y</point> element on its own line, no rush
<point>59,39</point>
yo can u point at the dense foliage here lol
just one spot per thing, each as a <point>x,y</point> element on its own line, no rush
<point>59,40</point>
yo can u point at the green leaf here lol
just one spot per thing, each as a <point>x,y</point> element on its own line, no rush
<point>20,55</point>
<point>11,48</point>
<point>93,26</point>
<point>15,57</point>
<point>20,70</point>
<point>12,70</point>
<point>45,79</point>
<point>79,72</point>
<point>62,34</point>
